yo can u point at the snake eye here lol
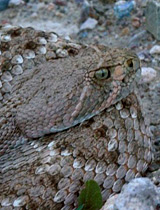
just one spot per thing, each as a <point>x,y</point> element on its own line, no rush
<point>102,74</point>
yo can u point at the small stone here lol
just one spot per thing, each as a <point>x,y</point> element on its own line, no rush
<point>140,193</point>
<point>148,74</point>
<point>136,22</point>
<point>15,2</point>
<point>125,31</point>
<point>155,49</point>
<point>90,23</point>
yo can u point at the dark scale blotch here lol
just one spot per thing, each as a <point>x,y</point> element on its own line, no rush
<point>15,33</point>
<point>72,51</point>
<point>6,65</point>
<point>100,132</point>
<point>30,45</point>
<point>5,46</point>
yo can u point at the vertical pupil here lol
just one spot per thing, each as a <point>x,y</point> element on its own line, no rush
<point>103,74</point>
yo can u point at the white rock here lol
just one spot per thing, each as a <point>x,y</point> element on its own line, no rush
<point>148,74</point>
<point>109,205</point>
<point>90,23</point>
<point>15,2</point>
<point>155,49</point>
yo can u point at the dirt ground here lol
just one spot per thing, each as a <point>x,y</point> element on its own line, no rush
<point>66,18</point>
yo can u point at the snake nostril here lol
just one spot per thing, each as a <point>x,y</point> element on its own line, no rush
<point>130,63</point>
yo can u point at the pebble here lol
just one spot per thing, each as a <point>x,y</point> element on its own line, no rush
<point>15,2</point>
<point>155,49</point>
<point>148,74</point>
<point>60,2</point>
<point>90,23</point>
<point>125,31</point>
<point>136,22</point>
<point>140,193</point>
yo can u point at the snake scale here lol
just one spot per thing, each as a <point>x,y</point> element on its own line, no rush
<point>68,113</point>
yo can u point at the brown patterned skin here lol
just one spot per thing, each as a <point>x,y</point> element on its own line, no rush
<point>82,97</point>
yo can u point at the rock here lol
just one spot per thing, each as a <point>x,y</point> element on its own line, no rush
<point>136,22</point>
<point>125,31</point>
<point>3,4</point>
<point>148,74</point>
<point>86,11</point>
<point>153,18</point>
<point>155,49</point>
<point>60,2</point>
<point>83,34</point>
<point>110,203</point>
<point>144,55</point>
<point>123,8</point>
<point>139,194</point>
<point>90,23</point>
<point>15,2</point>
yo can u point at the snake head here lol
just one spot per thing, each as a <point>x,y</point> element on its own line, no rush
<point>111,77</point>
<point>69,91</point>
<point>116,77</point>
